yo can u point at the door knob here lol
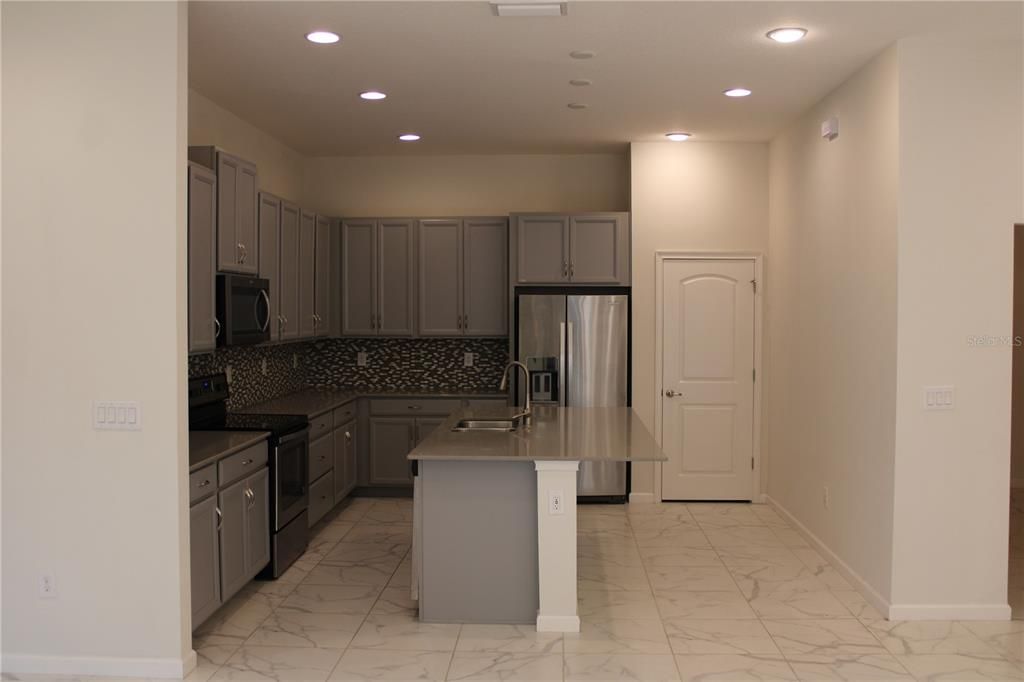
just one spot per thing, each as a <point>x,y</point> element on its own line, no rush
<point>672,394</point>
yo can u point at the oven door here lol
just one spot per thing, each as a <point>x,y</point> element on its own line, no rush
<point>291,477</point>
<point>243,309</point>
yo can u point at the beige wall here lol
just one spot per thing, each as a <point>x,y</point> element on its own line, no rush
<point>687,196</point>
<point>961,185</point>
<point>93,288</point>
<point>280,167</point>
<point>830,389</point>
<point>466,185</point>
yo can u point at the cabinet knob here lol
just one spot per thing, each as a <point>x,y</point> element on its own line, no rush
<point>246,462</point>
<point>348,435</point>
<point>414,407</point>
<point>204,483</point>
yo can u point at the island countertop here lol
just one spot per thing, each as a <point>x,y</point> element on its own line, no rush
<point>587,434</point>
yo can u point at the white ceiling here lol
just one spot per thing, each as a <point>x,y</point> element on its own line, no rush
<point>471,82</point>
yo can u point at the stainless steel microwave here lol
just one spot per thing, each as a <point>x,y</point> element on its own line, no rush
<point>243,310</point>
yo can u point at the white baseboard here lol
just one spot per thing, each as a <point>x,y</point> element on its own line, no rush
<point>167,668</point>
<point>949,612</point>
<point>861,585</point>
<point>641,498</point>
<point>558,623</point>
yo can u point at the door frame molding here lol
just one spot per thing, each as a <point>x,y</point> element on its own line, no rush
<point>755,257</point>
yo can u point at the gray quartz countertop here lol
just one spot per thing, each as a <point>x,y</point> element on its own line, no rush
<point>206,447</point>
<point>603,434</point>
<point>314,401</point>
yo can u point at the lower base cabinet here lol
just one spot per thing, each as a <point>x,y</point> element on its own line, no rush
<point>321,497</point>
<point>203,523</point>
<point>344,460</point>
<point>391,439</point>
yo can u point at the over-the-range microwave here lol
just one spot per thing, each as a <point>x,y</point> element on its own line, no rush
<point>243,310</point>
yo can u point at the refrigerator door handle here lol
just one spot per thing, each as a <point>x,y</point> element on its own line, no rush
<point>562,377</point>
<point>569,364</point>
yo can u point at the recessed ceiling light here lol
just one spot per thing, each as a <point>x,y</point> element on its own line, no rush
<point>582,54</point>
<point>737,92</point>
<point>372,94</point>
<point>577,105</point>
<point>408,137</point>
<point>580,82</point>
<point>678,137</point>
<point>788,34</point>
<point>323,37</point>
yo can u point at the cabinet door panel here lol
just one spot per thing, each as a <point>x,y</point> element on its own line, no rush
<point>204,559</point>
<point>228,253</point>
<point>289,288</point>
<point>542,249</point>
<point>395,278</point>
<point>202,228</point>
<point>258,523</point>
<point>344,460</point>
<point>307,273</point>
<point>359,273</point>
<point>485,260</point>
<point>321,456</point>
<point>233,503</point>
<point>598,250</point>
<point>270,256</point>
<point>246,189</point>
<point>322,283</point>
<point>321,497</point>
<point>440,277</point>
<point>391,439</point>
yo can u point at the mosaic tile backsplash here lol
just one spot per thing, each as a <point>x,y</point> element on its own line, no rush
<point>392,364</point>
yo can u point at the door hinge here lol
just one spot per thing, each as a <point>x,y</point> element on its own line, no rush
<point>753,373</point>
<point>754,283</point>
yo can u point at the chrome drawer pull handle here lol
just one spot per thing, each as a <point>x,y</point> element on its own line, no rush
<point>246,462</point>
<point>220,517</point>
<point>204,483</point>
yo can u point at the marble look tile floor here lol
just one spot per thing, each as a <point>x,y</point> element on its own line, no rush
<point>666,592</point>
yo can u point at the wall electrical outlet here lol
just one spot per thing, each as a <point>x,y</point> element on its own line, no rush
<point>825,499</point>
<point>555,505</point>
<point>117,415</point>
<point>263,366</point>
<point>938,397</point>
<point>468,359</point>
<point>47,586</point>
<point>361,358</point>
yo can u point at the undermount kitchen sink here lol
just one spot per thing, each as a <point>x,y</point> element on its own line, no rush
<point>485,425</point>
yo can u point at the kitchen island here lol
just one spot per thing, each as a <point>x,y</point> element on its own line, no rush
<point>494,536</point>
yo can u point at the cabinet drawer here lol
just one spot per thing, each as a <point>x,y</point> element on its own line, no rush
<point>321,456</point>
<point>320,425</point>
<point>321,497</point>
<point>414,406</point>
<point>201,483</point>
<point>344,414</point>
<point>241,464</point>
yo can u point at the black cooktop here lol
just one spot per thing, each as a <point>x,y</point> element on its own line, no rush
<point>278,424</point>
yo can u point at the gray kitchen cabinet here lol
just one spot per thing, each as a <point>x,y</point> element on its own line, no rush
<point>307,274</point>
<point>485,278</point>
<point>425,426</point>
<point>321,498</point>
<point>270,256</point>
<point>359,275</point>
<point>322,277</point>
<point>321,456</point>
<point>344,460</point>
<point>542,249</point>
<point>237,182</point>
<point>391,439</point>
<point>583,249</point>
<point>378,265</point>
<point>257,528</point>
<point>463,279</point>
<point>599,249</point>
<point>288,285</point>
<point>233,503</point>
<point>203,326</point>
<point>205,563</point>
<point>440,275</point>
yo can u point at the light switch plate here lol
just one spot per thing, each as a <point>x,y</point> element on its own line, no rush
<point>361,358</point>
<point>467,359</point>
<point>117,415</point>
<point>939,397</point>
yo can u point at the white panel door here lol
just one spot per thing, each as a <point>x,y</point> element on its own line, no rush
<point>707,399</point>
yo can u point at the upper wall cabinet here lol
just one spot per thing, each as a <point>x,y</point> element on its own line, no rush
<point>202,217</point>
<point>581,249</point>
<point>237,245</point>
<point>307,274</point>
<point>288,281</point>
<point>463,287</point>
<point>270,257</point>
<point>322,277</point>
<point>378,267</point>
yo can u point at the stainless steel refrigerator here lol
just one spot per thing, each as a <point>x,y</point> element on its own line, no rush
<point>576,346</point>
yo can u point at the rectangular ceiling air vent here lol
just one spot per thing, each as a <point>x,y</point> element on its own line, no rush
<point>529,9</point>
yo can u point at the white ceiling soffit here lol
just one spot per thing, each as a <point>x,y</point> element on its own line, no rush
<point>471,82</point>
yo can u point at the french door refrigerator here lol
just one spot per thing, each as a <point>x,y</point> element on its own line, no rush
<point>576,346</point>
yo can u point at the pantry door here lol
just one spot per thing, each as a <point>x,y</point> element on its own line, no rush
<point>707,399</point>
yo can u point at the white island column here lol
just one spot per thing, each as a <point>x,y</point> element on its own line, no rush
<point>556,546</point>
